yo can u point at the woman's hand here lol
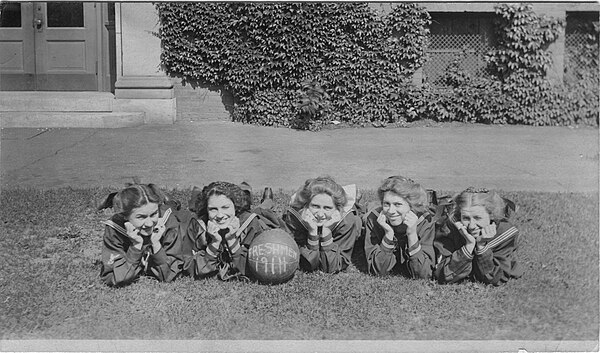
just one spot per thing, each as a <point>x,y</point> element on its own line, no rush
<point>336,216</point>
<point>310,221</point>
<point>134,235</point>
<point>158,232</point>
<point>411,220</point>
<point>467,236</point>
<point>387,228</point>
<point>487,233</point>
<point>233,226</point>
<point>213,229</point>
<point>328,225</point>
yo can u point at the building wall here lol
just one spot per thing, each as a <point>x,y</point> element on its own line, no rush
<point>140,49</point>
<point>141,83</point>
<point>202,103</point>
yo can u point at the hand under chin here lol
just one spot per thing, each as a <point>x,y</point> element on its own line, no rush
<point>145,233</point>
<point>223,226</point>
<point>396,222</point>
<point>320,223</point>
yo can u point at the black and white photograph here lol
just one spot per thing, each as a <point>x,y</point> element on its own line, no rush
<point>343,176</point>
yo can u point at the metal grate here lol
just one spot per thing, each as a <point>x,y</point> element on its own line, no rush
<point>464,38</point>
<point>581,45</point>
<point>467,49</point>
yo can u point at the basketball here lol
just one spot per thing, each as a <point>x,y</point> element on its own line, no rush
<point>273,257</point>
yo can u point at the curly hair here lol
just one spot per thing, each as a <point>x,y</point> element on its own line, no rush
<point>492,202</point>
<point>229,190</point>
<point>134,196</point>
<point>320,185</point>
<point>406,188</point>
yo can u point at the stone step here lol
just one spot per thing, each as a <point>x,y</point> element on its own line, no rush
<point>24,101</point>
<point>71,120</point>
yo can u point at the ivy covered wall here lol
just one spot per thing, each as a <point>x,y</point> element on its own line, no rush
<point>304,65</point>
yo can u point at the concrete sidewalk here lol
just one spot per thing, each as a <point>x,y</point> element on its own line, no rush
<point>509,158</point>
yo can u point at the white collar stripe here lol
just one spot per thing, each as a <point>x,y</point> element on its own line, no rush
<point>506,235</point>
<point>115,226</point>
<point>202,225</point>
<point>298,217</point>
<point>245,224</point>
<point>328,242</point>
<point>165,217</point>
<point>497,241</point>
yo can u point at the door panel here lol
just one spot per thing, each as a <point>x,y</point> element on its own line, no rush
<point>17,56</point>
<point>56,45</point>
<point>66,47</point>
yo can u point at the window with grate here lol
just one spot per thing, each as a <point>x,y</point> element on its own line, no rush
<point>464,37</point>
<point>581,45</point>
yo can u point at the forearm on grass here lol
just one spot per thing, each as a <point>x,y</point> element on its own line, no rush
<point>421,255</point>
<point>454,261</point>
<point>379,250</point>
<point>336,247</point>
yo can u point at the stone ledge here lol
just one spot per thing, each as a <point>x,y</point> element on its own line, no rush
<point>26,101</point>
<point>70,120</point>
<point>157,111</point>
<point>144,93</point>
<point>143,82</point>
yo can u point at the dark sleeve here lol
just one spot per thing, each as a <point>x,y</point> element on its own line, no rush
<point>421,256</point>
<point>378,250</point>
<point>309,247</point>
<point>198,260</point>
<point>335,254</point>
<point>270,218</point>
<point>204,263</point>
<point>167,263</point>
<point>453,261</point>
<point>121,263</point>
<point>498,264</point>
<point>240,256</point>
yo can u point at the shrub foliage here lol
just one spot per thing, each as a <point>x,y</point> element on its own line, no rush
<point>297,64</point>
<point>305,65</point>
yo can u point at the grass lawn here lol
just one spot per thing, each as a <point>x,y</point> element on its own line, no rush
<point>49,286</point>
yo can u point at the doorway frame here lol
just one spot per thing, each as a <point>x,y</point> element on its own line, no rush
<point>105,58</point>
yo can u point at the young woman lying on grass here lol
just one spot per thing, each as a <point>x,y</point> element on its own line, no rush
<point>399,234</point>
<point>142,237</point>
<point>227,230</point>
<point>324,222</point>
<point>481,244</point>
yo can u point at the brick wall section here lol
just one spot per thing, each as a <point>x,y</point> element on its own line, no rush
<point>202,103</point>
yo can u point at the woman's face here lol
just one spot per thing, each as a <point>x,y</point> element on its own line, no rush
<point>221,210</point>
<point>395,207</point>
<point>322,207</point>
<point>144,218</point>
<point>475,218</point>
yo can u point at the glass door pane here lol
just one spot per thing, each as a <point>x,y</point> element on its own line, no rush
<point>10,14</point>
<point>65,14</point>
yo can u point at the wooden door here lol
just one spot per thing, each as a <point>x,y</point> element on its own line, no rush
<point>51,48</point>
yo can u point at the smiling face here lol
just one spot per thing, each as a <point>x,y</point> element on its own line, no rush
<point>395,207</point>
<point>474,218</point>
<point>322,207</point>
<point>221,210</point>
<point>144,218</point>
